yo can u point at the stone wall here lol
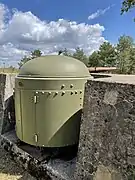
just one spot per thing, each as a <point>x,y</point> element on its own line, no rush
<point>107,138</point>
<point>2,90</point>
<point>7,82</point>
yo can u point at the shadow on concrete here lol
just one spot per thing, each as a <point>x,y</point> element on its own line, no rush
<point>96,75</point>
<point>9,169</point>
<point>60,159</point>
<point>8,122</point>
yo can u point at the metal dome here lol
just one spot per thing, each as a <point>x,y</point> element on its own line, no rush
<point>54,66</point>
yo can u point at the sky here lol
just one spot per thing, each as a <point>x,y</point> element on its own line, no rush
<point>51,25</point>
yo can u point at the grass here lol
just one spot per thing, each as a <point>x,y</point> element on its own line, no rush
<point>9,70</point>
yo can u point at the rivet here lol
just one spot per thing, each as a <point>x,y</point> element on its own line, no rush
<point>49,93</point>
<point>63,92</point>
<point>80,92</point>
<point>36,92</point>
<point>80,98</point>
<point>20,84</point>
<point>43,145</point>
<point>63,85</point>
<point>75,92</point>
<point>56,93</point>
<point>72,93</point>
<point>43,92</point>
<point>71,85</point>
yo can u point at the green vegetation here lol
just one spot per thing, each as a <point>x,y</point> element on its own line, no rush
<point>127,5</point>
<point>121,55</point>
<point>9,70</point>
<point>34,54</point>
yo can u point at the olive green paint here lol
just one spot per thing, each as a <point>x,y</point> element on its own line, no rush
<point>54,66</point>
<point>48,108</point>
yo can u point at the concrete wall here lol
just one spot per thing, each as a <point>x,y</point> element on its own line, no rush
<point>7,82</point>
<point>107,139</point>
<point>2,90</point>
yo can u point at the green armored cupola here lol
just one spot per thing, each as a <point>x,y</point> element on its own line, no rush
<point>54,66</point>
<point>49,92</point>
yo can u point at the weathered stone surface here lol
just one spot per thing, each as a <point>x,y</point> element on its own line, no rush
<point>107,138</point>
<point>41,166</point>
<point>104,173</point>
<point>2,93</point>
<point>7,82</point>
<point>107,135</point>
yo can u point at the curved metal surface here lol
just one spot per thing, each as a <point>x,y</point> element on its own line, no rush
<point>54,66</point>
<point>50,115</point>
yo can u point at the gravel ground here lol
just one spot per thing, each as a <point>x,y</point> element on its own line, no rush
<point>9,170</point>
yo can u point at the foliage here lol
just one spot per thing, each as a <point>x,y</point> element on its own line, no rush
<point>121,55</point>
<point>127,5</point>
<point>80,55</point>
<point>125,43</point>
<point>60,52</point>
<point>66,53</point>
<point>94,60</point>
<point>9,70</point>
<point>131,65</point>
<point>34,54</point>
<point>107,54</point>
<point>23,61</point>
<point>126,61</point>
<point>126,55</point>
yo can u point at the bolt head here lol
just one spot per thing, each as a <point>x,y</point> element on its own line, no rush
<point>71,85</point>
<point>80,92</point>
<point>63,92</point>
<point>63,85</point>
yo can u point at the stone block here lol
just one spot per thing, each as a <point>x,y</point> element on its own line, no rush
<point>107,131</point>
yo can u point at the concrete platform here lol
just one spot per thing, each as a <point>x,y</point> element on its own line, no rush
<point>38,165</point>
<point>114,78</point>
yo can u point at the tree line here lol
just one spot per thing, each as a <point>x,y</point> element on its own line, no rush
<point>127,5</point>
<point>121,55</point>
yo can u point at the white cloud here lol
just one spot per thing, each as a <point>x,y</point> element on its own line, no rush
<point>24,32</point>
<point>99,12</point>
